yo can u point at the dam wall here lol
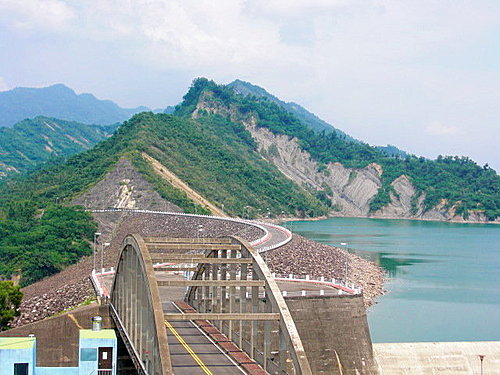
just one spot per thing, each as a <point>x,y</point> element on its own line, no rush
<point>335,334</point>
<point>438,358</point>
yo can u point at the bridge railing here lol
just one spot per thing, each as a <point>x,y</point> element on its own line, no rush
<point>237,289</point>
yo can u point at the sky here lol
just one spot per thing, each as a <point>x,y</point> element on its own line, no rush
<point>423,75</point>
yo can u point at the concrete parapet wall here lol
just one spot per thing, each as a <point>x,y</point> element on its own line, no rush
<point>433,358</point>
<point>57,337</point>
<point>335,334</point>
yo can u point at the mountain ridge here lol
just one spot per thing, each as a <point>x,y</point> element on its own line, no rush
<point>448,188</point>
<point>60,101</point>
<point>34,141</point>
<point>309,118</point>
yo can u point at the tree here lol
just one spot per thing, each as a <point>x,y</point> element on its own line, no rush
<point>10,299</point>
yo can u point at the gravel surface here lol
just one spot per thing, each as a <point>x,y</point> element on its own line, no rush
<point>300,256</point>
<point>72,286</point>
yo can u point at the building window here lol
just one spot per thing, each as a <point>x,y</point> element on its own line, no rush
<point>89,354</point>
<point>20,369</point>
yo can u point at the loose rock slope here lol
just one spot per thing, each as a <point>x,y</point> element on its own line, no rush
<point>72,286</point>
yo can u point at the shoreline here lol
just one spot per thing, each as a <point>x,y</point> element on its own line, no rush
<point>318,218</point>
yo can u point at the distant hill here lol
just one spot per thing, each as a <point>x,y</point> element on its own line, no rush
<point>355,178</point>
<point>308,118</point>
<point>34,141</point>
<point>59,101</point>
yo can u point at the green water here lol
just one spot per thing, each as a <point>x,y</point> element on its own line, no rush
<point>444,278</point>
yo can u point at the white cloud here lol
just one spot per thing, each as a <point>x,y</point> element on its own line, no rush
<point>437,128</point>
<point>367,66</point>
<point>3,85</point>
<point>32,14</point>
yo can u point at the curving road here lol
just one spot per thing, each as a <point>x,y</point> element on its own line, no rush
<point>274,235</point>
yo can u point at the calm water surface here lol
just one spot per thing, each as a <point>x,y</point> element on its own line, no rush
<point>444,278</point>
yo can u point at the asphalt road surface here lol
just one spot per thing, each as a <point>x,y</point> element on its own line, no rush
<point>192,353</point>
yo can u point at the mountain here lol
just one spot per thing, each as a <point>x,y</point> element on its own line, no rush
<point>34,141</point>
<point>241,150</point>
<point>358,179</point>
<point>60,102</point>
<point>213,156</point>
<point>308,118</point>
<point>222,153</point>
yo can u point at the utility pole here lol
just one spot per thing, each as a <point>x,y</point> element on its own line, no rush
<point>481,358</point>
<point>346,244</point>
<point>96,236</point>
<point>103,246</point>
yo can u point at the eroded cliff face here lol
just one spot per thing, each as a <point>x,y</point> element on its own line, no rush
<point>350,189</point>
<point>124,187</point>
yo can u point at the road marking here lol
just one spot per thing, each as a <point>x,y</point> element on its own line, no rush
<point>188,349</point>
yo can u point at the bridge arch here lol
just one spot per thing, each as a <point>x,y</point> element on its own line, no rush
<point>229,286</point>
<point>268,333</point>
<point>136,308</point>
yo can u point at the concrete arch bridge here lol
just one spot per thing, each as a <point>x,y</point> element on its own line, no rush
<point>211,306</point>
<point>227,317</point>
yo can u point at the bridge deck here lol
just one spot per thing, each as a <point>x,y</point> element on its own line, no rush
<point>192,353</point>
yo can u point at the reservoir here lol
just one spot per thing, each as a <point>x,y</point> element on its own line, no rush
<point>443,278</point>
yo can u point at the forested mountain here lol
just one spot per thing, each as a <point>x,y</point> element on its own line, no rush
<point>31,142</point>
<point>314,122</point>
<point>242,153</point>
<point>60,102</point>
<point>214,156</point>
<point>455,184</point>
<point>307,118</point>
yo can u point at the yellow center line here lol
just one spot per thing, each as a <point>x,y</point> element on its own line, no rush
<point>188,349</point>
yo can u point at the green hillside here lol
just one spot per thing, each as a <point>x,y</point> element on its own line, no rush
<point>40,242</point>
<point>214,156</point>
<point>459,180</point>
<point>38,140</point>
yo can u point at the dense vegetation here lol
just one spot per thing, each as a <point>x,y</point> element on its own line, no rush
<point>213,155</point>
<point>60,102</point>
<point>459,180</point>
<point>10,300</point>
<point>216,157</point>
<point>41,139</point>
<point>38,242</point>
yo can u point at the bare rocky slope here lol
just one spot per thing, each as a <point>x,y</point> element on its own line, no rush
<point>350,189</point>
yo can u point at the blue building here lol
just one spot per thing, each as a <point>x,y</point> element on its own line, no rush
<point>97,355</point>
